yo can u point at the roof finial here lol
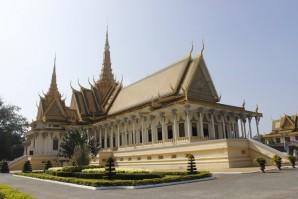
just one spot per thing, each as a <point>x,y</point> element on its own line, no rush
<point>191,49</point>
<point>203,46</point>
<point>243,104</point>
<point>107,46</point>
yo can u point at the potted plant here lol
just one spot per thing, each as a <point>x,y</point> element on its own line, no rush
<point>262,162</point>
<point>292,159</point>
<point>277,160</point>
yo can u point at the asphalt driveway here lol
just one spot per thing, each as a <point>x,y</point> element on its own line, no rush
<point>271,185</point>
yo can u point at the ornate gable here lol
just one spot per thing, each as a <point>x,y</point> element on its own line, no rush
<point>200,86</point>
<point>288,123</point>
<point>56,111</point>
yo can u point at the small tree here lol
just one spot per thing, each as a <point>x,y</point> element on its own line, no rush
<point>277,160</point>
<point>110,167</point>
<point>191,167</point>
<point>27,167</point>
<point>4,167</point>
<point>48,165</point>
<point>81,155</point>
<point>292,159</point>
<point>262,162</point>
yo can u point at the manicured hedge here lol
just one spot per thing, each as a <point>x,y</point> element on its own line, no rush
<point>118,176</point>
<point>8,192</point>
<point>135,176</point>
<point>103,182</point>
<point>88,175</point>
<point>79,168</point>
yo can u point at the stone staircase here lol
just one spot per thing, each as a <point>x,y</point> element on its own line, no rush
<point>17,164</point>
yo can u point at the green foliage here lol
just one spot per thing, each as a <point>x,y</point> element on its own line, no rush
<point>8,192</point>
<point>110,167</point>
<point>262,162</point>
<point>134,176</point>
<point>103,182</point>
<point>74,138</point>
<point>79,168</point>
<point>47,165</point>
<point>4,167</point>
<point>191,167</point>
<point>12,129</point>
<point>27,167</point>
<point>277,160</point>
<point>88,175</point>
<point>81,155</point>
<point>78,138</point>
<point>292,159</point>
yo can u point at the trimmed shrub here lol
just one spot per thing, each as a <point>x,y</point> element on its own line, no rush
<point>134,176</point>
<point>191,167</point>
<point>63,174</point>
<point>10,193</point>
<point>27,167</point>
<point>110,167</point>
<point>48,165</point>
<point>292,159</point>
<point>88,175</point>
<point>50,172</point>
<point>262,162</point>
<point>277,160</point>
<point>78,168</point>
<point>4,167</point>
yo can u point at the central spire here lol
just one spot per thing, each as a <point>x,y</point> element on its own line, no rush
<point>53,87</point>
<point>106,71</point>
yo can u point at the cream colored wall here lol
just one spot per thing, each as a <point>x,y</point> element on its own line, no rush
<point>209,155</point>
<point>44,145</point>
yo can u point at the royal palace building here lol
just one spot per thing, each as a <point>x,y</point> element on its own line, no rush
<point>153,123</point>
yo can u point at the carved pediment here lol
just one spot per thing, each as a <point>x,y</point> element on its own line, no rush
<point>200,87</point>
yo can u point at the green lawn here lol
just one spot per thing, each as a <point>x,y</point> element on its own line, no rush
<point>7,192</point>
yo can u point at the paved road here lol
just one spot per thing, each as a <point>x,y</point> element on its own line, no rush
<point>271,185</point>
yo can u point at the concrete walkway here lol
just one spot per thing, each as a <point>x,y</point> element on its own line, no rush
<point>273,184</point>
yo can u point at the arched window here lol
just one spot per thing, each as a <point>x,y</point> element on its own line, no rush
<point>55,144</point>
<point>181,130</point>
<point>149,135</point>
<point>170,131</point>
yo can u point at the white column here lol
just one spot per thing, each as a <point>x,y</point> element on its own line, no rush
<point>244,127</point>
<point>106,136</point>
<point>144,140</point>
<point>162,120</point>
<point>175,125</point>
<point>223,126</point>
<point>242,131</point>
<point>237,128</point>
<point>188,124</point>
<point>125,132</point>
<point>249,125</point>
<point>133,134</point>
<point>257,125</point>
<point>111,136</point>
<point>201,130</point>
<point>233,128</point>
<point>152,128</point>
<point>100,137</point>
<point>212,133</point>
<point>118,133</point>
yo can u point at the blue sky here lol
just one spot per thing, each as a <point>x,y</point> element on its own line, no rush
<point>250,47</point>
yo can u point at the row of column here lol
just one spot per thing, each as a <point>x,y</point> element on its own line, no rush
<point>225,129</point>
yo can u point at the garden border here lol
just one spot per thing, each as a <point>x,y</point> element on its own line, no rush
<point>120,187</point>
